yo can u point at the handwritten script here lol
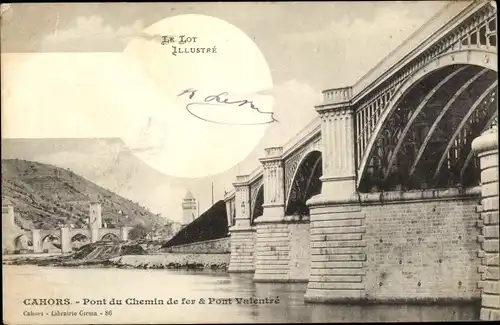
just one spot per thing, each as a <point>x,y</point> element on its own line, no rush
<point>222,99</point>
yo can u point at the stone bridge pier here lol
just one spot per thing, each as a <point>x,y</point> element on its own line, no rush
<point>337,247</point>
<point>272,240</point>
<point>242,232</point>
<point>486,147</point>
<point>63,233</point>
<point>282,241</point>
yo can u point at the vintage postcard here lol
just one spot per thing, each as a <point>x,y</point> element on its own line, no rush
<point>253,162</point>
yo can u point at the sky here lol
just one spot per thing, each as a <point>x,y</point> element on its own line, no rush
<point>90,87</point>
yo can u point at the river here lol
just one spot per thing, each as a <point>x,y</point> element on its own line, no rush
<point>22,282</point>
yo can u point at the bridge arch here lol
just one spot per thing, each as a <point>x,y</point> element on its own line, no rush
<point>51,242</point>
<point>473,65</point>
<point>231,212</point>
<point>257,208</point>
<point>22,242</point>
<point>305,183</point>
<point>110,236</point>
<point>79,239</point>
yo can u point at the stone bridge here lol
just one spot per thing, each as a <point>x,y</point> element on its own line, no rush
<point>64,239</point>
<point>391,193</point>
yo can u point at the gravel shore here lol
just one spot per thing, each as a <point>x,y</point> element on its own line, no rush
<point>153,261</point>
<point>174,261</point>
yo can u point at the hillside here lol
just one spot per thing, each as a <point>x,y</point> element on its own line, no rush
<point>46,196</point>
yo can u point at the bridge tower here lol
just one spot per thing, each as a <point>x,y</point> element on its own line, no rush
<point>7,225</point>
<point>10,231</point>
<point>95,220</point>
<point>189,209</point>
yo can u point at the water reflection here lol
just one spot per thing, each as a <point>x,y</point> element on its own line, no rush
<point>211,286</point>
<point>292,307</point>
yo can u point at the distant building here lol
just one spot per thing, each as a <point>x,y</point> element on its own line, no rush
<point>189,209</point>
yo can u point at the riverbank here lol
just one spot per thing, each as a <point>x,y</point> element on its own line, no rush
<point>154,261</point>
<point>174,261</point>
<point>122,255</point>
<point>53,260</point>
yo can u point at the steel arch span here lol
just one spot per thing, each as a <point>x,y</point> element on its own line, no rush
<point>257,204</point>
<point>423,115</point>
<point>305,183</point>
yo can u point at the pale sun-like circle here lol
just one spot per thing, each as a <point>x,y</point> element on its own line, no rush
<point>208,112</point>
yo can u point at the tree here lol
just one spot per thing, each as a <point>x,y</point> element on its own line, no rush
<point>138,232</point>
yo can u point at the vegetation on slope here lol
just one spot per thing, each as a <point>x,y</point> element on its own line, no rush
<point>46,197</point>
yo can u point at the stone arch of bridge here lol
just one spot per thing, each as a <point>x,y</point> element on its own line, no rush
<point>430,124</point>
<point>257,205</point>
<point>80,236</point>
<point>110,236</point>
<point>79,239</point>
<point>51,237</point>
<point>305,184</point>
<point>22,242</point>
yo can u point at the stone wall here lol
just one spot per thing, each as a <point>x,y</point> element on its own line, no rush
<point>174,261</point>
<point>283,253</point>
<point>254,254</point>
<point>396,246</point>
<point>242,250</point>
<point>421,249</point>
<point>214,246</point>
<point>300,257</point>
<point>337,253</point>
<point>486,147</point>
